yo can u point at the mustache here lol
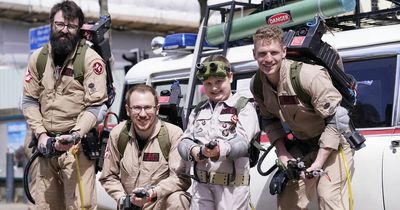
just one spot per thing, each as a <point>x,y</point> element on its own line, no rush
<point>63,46</point>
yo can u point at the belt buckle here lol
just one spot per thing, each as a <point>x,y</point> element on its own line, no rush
<point>220,179</point>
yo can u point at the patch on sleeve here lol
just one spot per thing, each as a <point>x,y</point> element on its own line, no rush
<point>98,68</point>
<point>327,105</point>
<point>28,76</point>
<point>92,87</point>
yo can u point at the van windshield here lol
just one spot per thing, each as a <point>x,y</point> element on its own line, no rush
<point>375,92</point>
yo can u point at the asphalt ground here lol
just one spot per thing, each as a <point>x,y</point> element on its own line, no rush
<point>16,206</point>
<point>13,206</point>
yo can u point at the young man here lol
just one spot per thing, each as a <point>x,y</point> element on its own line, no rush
<point>317,129</point>
<point>60,109</point>
<point>137,159</point>
<point>221,173</point>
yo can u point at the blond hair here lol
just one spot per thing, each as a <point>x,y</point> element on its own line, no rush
<point>269,33</point>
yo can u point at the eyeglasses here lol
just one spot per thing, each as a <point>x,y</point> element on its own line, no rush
<point>138,109</point>
<point>61,25</point>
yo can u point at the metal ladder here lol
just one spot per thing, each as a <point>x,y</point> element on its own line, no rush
<point>199,52</point>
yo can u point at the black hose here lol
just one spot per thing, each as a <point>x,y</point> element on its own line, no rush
<point>262,173</point>
<point>26,175</point>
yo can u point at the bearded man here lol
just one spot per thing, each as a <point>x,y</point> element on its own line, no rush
<point>62,102</point>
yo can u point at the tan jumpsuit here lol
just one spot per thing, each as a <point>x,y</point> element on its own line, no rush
<point>62,109</point>
<point>135,170</point>
<point>305,123</point>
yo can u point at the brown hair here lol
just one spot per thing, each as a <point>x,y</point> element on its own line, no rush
<point>269,33</point>
<point>142,89</point>
<point>70,11</point>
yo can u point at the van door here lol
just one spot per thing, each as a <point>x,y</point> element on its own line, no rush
<point>391,173</point>
<point>373,115</point>
<point>391,160</point>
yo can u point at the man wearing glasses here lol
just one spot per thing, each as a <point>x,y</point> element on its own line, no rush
<point>61,108</point>
<point>143,172</point>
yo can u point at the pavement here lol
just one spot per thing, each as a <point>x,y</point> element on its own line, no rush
<point>17,206</point>
<point>13,206</point>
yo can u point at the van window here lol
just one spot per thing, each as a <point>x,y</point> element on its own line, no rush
<point>375,92</point>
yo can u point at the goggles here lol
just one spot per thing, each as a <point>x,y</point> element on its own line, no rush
<point>211,69</point>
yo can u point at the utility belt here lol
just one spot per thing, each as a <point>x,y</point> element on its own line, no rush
<point>91,144</point>
<point>222,178</point>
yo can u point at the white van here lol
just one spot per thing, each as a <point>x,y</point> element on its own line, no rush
<point>372,56</point>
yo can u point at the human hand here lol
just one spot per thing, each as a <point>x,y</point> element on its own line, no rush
<point>141,196</point>
<point>284,158</point>
<point>211,150</point>
<point>64,142</point>
<point>195,152</point>
<point>42,141</point>
<point>315,170</point>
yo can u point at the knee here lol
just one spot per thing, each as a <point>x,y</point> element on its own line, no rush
<point>178,200</point>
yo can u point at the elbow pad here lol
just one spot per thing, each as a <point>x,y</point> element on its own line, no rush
<point>340,120</point>
<point>98,111</point>
<point>184,147</point>
<point>28,102</point>
<point>239,148</point>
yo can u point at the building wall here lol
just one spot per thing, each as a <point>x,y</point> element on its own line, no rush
<point>14,54</point>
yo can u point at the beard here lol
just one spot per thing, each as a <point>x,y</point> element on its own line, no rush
<point>63,44</point>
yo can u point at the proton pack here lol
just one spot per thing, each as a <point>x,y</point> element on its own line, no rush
<point>305,45</point>
<point>92,35</point>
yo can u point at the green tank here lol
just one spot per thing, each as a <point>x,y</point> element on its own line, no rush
<point>286,16</point>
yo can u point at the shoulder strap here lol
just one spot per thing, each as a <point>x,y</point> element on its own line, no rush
<point>42,61</point>
<point>257,85</point>
<point>241,103</point>
<point>198,106</point>
<point>124,137</point>
<point>79,61</point>
<point>295,80</point>
<point>163,140</point>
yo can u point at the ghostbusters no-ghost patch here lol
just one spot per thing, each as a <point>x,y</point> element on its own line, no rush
<point>28,76</point>
<point>98,68</point>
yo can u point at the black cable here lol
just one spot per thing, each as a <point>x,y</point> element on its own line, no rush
<point>26,175</point>
<point>262,173</point>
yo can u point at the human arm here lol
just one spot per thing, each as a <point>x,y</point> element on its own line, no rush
<point>95,93</point>
<point>176,166</point>
<point>325,99</point>
<point>245,128</point>
<point>110,177</point>
<point>271,124</point>
<point>188,147</point>
<point>30,99</point>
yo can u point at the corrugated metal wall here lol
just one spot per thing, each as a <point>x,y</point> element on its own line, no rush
<point>11,81</point>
